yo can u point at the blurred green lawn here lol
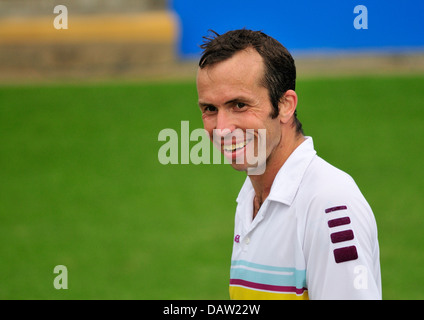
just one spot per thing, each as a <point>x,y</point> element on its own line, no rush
<point>81,186</point>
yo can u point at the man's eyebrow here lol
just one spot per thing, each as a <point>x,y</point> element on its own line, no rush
<point>232,101</point>
<point>239,99</point>
<point>205,104</point>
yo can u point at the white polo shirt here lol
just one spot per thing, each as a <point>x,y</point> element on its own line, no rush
<point>314,237</point>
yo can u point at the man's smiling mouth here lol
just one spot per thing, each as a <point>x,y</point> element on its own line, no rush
<point>236,146</point>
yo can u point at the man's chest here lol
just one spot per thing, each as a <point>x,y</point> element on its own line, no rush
<point>274,237</point>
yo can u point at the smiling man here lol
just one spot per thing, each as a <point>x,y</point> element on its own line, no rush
<point>302,227</point>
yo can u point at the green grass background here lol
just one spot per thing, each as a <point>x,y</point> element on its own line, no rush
<point>81,186</point>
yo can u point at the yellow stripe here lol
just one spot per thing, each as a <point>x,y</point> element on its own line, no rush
<point>153,26</point>
<point>241,293</point>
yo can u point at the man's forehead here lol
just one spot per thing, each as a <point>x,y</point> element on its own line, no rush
<point>244,66</point>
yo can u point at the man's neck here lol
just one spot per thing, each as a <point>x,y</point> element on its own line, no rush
<point>262,183</point>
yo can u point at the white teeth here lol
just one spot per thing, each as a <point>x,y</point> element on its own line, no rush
<point>233,147</point>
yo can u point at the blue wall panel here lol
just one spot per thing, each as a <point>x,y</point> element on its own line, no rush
<point>306,26</point>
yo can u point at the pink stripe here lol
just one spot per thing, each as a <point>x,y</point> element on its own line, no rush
<point>341,236</point>
<point>338,222</point>
<point>328,210</point>
<point>345,254</point>
<point>268,287</point>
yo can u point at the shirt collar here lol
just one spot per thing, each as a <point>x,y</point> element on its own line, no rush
<point>287,181</point>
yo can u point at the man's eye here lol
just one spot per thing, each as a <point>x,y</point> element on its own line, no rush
<point>209,109</point>
<point>240,105</point>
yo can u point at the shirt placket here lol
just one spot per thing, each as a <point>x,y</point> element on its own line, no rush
<point>250,226</point>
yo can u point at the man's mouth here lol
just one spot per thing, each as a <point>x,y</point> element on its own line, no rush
<point>236,146</point>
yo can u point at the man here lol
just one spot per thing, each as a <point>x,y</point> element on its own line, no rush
<point>303,230</point>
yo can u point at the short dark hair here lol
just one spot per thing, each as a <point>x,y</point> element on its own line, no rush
<point>280,69</point>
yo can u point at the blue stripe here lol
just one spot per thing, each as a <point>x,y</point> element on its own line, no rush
<point>297,278</point>
<point>260,266</point>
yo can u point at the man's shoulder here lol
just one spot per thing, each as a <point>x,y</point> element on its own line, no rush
<point>326,189</point>
<point>327,184</point>
<point>323,176</point>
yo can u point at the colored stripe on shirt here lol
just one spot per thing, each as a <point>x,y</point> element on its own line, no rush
<point>256,281</point>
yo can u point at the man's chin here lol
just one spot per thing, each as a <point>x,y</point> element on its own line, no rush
<point>239,167</point>
<point>253,170</point>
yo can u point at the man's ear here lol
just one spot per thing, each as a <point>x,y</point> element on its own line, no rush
<point>287,106</point>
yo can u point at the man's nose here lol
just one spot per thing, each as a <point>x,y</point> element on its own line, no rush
<point>224,123</point>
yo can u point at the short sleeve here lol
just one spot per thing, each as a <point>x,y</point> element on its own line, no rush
<point>341,245</point>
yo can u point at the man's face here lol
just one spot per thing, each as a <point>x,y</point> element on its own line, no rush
<point>233,101</point>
